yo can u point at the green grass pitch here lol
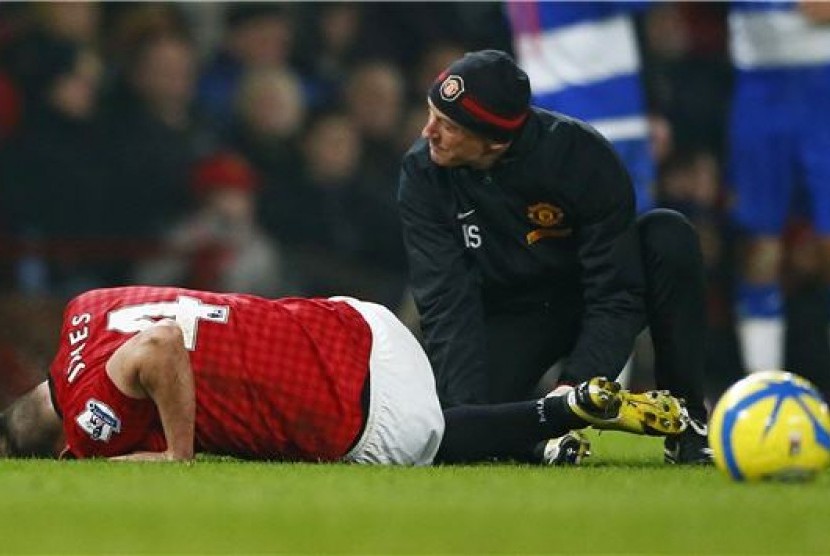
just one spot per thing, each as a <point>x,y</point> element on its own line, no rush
<point>624,501</point>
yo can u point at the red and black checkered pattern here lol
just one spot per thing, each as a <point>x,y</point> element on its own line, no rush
<point>280,379</point>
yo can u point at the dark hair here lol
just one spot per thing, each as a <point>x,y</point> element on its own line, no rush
<point>24,432</point>
<point>39,61</point>
<point>332,111</point>
<point>242,12</point>
<point>146,42</point>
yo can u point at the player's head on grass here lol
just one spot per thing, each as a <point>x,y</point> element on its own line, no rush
<point>30,427</point>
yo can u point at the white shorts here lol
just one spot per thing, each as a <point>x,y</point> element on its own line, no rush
<point>405,422</point>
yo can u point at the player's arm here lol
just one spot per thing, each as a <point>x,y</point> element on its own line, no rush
<point>154,364</point>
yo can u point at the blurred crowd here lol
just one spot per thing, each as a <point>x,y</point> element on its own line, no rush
<point>254,147</point>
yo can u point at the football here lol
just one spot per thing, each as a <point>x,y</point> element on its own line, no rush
<point>770,425</point>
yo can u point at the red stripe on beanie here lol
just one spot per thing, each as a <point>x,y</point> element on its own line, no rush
<point>478,111</point>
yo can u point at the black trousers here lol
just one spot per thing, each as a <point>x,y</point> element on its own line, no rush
<point>523,346</point>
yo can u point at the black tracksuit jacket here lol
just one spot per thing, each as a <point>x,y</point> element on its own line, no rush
<point>551,223</point>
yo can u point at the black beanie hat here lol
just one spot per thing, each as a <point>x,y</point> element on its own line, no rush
<point>485,92</point>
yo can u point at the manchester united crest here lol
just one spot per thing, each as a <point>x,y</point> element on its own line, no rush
<point>451,88</point>
<point>549,219</point>
<point>545,215</point>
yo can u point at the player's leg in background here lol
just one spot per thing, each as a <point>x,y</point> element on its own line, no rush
<point>761,324</point>
<point>760,171</point>
<point>807,350</point>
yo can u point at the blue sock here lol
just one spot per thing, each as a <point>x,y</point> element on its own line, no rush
<point>764,301</point>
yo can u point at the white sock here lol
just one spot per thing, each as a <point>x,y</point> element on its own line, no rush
<point>624,378</point>
<point>561,390</point>
<point>762,343</point>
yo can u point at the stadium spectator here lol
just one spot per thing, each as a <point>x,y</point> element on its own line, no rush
<point>779,139</point>
<point>523,247</point>
<point>403,34</point>
<point>328,47</point>
<point>583,60</point>
<point>152,136</point>
<point>146,373</point>
<point>51,171</point>
<point>433,61</point>
<point>219,246</point>
<point>77,22</point>
<point>270,112</point>
<point>343,239</point>
<point>126,25</point>
<point>375,99</point>
<point>687,71</point>
<point>258,35</point>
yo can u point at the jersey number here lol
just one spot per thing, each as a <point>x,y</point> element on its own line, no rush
<point>187,311</point>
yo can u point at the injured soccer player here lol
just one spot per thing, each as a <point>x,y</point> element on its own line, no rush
<point>157,373</point>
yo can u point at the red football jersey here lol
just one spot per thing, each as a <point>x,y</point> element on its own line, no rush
<point>275,379</point>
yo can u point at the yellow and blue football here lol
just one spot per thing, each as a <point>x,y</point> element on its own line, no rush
<point>770,425</point>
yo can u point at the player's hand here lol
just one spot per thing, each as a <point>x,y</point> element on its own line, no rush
<point>151,456</point>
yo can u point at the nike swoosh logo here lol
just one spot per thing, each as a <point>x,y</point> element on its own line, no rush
<point>463,215</point>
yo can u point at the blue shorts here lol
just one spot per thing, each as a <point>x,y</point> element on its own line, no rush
<point>779,152</point>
